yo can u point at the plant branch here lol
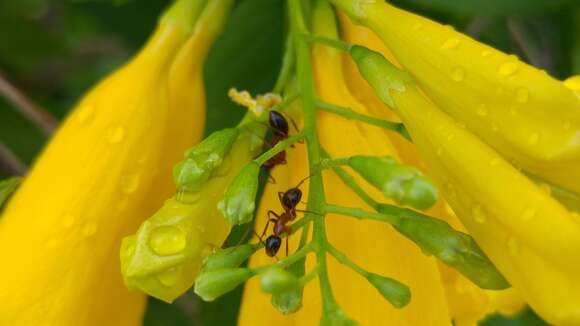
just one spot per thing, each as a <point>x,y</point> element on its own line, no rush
<point>36,114</point>
<point>10,163</point>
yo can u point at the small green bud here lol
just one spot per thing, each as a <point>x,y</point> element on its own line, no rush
<point>214,284</point>
<point>227,258</point>
<point>336,317</point>
<point>454,248</point>
<point>200,161</point>
<point>397,293</point>
<point>239,202</point>
<point>288,302</point>
<point>404,184</point>
<point>277,280</point>
<point>7,187</point>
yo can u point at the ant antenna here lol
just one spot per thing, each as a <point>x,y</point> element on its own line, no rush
<point>302,181</point>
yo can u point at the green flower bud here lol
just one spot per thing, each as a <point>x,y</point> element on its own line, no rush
<point>201,160</point>
<point>454,248</point>
<point>277,280</point>
<point>239,202</point>
<point>214,284</point>
<point>227,258</point>
<point>288,302</point>
<point>336,317</point>
<point>404,184</point>
<point>7,187</point>
<point>397,293</point>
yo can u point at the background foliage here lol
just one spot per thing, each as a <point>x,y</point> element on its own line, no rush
<point>54,50</point>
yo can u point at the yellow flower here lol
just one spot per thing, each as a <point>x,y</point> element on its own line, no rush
<point>106,169</point>
<point>539,259</point>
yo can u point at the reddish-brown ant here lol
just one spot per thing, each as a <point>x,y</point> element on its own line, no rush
<point>279,125</point>
<point>289,200</point>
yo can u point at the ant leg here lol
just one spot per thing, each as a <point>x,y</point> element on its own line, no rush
<point>271,179</point>
<point>280,195</point>
<point>287,245</point>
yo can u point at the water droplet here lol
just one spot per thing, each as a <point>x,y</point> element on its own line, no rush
<point>482,110</point>
<point>170,277</point>
<point>451,44</point>
<point>513,246</point>
<point>130,183</point>
<point>417,26</point>
<point>522,95</point>
<point>495,161</point>
<point>528,214</point>
<point>115,135</point>
<point>89,229</point>
<point>478,214</point>
<point>188,197</point>
<point>508,68</point>
<point>439,151</point>
<point>449,28</point>
<point>450,137</point>
<point>167,240</point>
<point>494,127</point>
<point>85,114</point>
<point>534,138</point>
<point>486,53</point>
<point>458,74</point>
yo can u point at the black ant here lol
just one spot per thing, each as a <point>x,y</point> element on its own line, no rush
<point>289,200</point>
<point>279,125</point>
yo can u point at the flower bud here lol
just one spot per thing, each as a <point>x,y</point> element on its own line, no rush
<point>214,284</point>
<point>277,280</point>
<point>228,258</point>
<point>404,184</point>
<point>7,187</point>
<point>454,248</point>
<point>239,202</point>
<point>201,160</point>
<point>336,317</point>
<point>288,302</point>
<point>397,293</point>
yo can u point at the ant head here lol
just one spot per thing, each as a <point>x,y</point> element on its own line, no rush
<point>291,198</point>
<point>278,123</point>
<point>273,243</point>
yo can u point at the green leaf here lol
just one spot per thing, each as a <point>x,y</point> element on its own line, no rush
<point>7,188</point>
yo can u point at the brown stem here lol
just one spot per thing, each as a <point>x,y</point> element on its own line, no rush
<point>10,163</point>
<point>38,115</point>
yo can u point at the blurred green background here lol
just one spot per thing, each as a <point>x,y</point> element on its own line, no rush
<point>54,50</point>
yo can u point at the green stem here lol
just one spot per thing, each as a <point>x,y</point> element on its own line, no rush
<point>393,219</point>
<point>280,146</point>
<point>337,44</point>
<point>316,196</point>
<point>350,114</point>
<point>308,277</point>
<point>288,62</point>
<point>287,261</point>
<point>343,259</point>
<point>352,184</point>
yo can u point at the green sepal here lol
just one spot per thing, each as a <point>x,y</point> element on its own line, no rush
<point>201,160</point>
<point>239,202</point>
<point>277,280</point>
<point>454,248</point>
<point>381,74</point>
<point>403,183</point>
<point>397,293</point>
<point>228,257</point>
<point>211,285</point>
<point>8,187</point>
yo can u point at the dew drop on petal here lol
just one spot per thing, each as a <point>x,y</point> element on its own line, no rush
<point>85,114</point>
<point>89,230</point>
<point>486,53</point>
<point>130,183</point>
<point>482,110</point>
<point>534,138</point>
<point>458,74</point>
<point>522,95</point>
<point>478,214</point>
<point>451,44</point>
<point>167,240</point>
<point>528,214</point>
<point>115,135</point>
<point>508,68</point>
<point>170,277</point>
